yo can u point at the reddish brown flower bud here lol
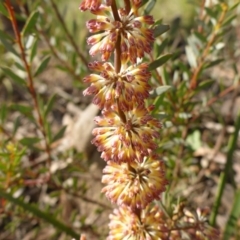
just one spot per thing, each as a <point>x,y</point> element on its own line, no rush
<point>90,5</point>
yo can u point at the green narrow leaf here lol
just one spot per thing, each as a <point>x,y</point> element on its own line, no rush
<point>29,141</point>
<point>8,43</point>
<point>42,66</point>
<point>40,214</point>
<point>233,218</point>
<point>74,59</point>
<point>25,110</point>
<point>13,76</point>
<point>157,22</point>
<point>3,10</point>
<point>212,63</point>
<point>160,29</point>
<point>4,168</point>
<point>234,6</point>
<point>20,66</point>
<point>184,69</point>
<point>64,69</point>
<point>17,124</point>
<point>149,7</point>
<point>144,2</point>
<point>41,104</point>
<point>49,106</point>
<point>30,23</point>
<point>74,26</point>
<point>49,131</point>
<point>211,12</point>
<point>59,134</point>
<point>34,50</point>
<point>206,84</point>
<point>3,112</point>
<point>166,76</point>
<point>159,62</point>
<point>4,35</point>
<point>229,20</point>
<point>160,97</point>
<point>200,36</point>
<point>158,101</point>
<point>161,47</point>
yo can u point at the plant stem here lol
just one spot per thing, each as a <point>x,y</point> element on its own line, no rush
<point>127,5</point>
<point>70,37</point>
<point>115,11</point>
<point>201,60</point>
<point>30,84</point>
<point>117,54</point>
<point>227,171</point>
<point>202,15</point>
<point>56,55</point>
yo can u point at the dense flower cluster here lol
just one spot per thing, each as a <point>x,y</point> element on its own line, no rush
<point>135,38</point>
<point>125,224</point>
<point>127,133</point>
<point>128,87</point>
<point>126,139</point>
<point>135,184</point>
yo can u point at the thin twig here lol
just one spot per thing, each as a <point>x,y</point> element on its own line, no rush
<point>214,99</point>
<point>202,16</point>
<point>30,84</point>
<point>56,55</point>
<point>193,82</point>
<point>202,58</point>
<point>53,51</point>
<point>70,37</point>
<point>83,197</point>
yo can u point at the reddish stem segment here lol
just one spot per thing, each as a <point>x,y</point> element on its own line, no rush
<point>127,5</point>
<point>30,84</point>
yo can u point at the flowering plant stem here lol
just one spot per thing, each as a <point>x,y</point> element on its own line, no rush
<point>126,134</point>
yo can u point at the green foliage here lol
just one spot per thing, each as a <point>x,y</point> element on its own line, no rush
<point>228,171</point>
<point>31,23</point>
<point>42,66</point>
<point>159,62</point>
<point>232,228</point>
<point>47,217</point>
